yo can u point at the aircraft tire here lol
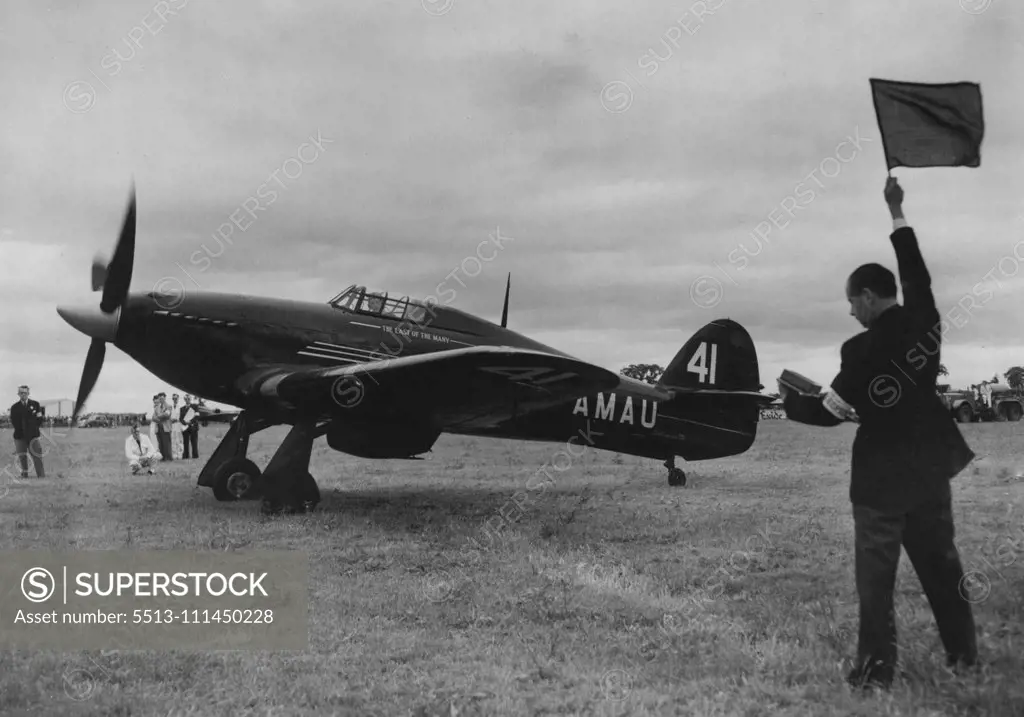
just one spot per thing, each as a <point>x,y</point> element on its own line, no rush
<point>269,507</point>
<point>308,492</point>
<point>238,479</point>
<point>676,477</point>
<point>302,497</point>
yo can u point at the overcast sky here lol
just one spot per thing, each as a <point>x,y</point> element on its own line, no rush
<point>628,150</point>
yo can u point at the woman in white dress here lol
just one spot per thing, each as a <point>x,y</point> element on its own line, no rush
<point>177,443</point>
<point>152,422</point>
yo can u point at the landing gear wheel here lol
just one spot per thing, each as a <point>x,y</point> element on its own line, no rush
<point>964,414</point>
<point>238,479</point>
<point>269,506</point>
<point>308,493</point>
<point>676,477</point>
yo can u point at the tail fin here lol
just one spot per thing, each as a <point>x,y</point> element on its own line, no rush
<point>717,378</point>
<point>720,356</point>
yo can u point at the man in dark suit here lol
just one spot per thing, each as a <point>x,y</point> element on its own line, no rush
<point>162,417</point>
<point>906,451</point>
<point>190,431</point>
<point>26,415</point>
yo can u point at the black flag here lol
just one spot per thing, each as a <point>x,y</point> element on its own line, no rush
<point>929,125</point>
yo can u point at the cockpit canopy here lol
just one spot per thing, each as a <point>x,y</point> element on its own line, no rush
<point>378,303</point>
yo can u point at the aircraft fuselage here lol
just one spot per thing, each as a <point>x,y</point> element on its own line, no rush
<point>204,343</point>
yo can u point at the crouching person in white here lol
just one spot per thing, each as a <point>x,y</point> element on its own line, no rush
<point>139,451</point>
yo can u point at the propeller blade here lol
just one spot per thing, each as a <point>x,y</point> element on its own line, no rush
<point>99,272</point>
<point>91,372</point>
<point>119,271</point>
<point>504,311</point>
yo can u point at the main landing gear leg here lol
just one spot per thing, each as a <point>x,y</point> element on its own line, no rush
<point>287,482</point>
<point>228,472</point>
<point>676,477</point>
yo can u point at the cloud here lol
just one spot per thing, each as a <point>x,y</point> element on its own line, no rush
<point>444,127</point>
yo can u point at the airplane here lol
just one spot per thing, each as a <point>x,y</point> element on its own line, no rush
<point>383,377</point>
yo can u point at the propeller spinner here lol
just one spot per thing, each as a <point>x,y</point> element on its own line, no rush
<point>101,322</point>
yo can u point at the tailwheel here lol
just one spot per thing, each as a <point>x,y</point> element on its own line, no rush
<point>238,479</point>
<point>676,477</point>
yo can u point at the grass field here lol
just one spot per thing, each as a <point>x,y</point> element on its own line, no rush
<point>605,592</point>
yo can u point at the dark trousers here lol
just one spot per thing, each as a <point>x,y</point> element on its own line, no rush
<point>24,449</point>
<point>926,533</point>
<point>164,439</point>
<point>190,437</point>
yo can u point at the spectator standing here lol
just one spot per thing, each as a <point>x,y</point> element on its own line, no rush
<point>26,415</point>
<point>153,422</point>
<point>190,434</point>
<point>176,428</point>
<point>162,416</point>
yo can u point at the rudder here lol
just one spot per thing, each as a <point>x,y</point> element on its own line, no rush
<point>719,356</point>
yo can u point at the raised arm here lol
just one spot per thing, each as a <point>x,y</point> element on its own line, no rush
<point>914,277</point>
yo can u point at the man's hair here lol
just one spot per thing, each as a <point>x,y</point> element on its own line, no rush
<point>874,277</point>
<point>22,388</point>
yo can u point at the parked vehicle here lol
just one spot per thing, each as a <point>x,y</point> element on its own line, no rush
<point>984,402</point>
<point>94,421</point>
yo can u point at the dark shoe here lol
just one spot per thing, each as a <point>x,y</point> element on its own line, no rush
<point>878,676</point>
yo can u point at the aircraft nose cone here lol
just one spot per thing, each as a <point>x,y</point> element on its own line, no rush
<point>91,321</point>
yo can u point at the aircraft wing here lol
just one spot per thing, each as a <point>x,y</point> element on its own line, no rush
<point>476,386</point>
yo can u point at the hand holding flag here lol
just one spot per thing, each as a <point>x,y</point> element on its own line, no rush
<point>893,193</point>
